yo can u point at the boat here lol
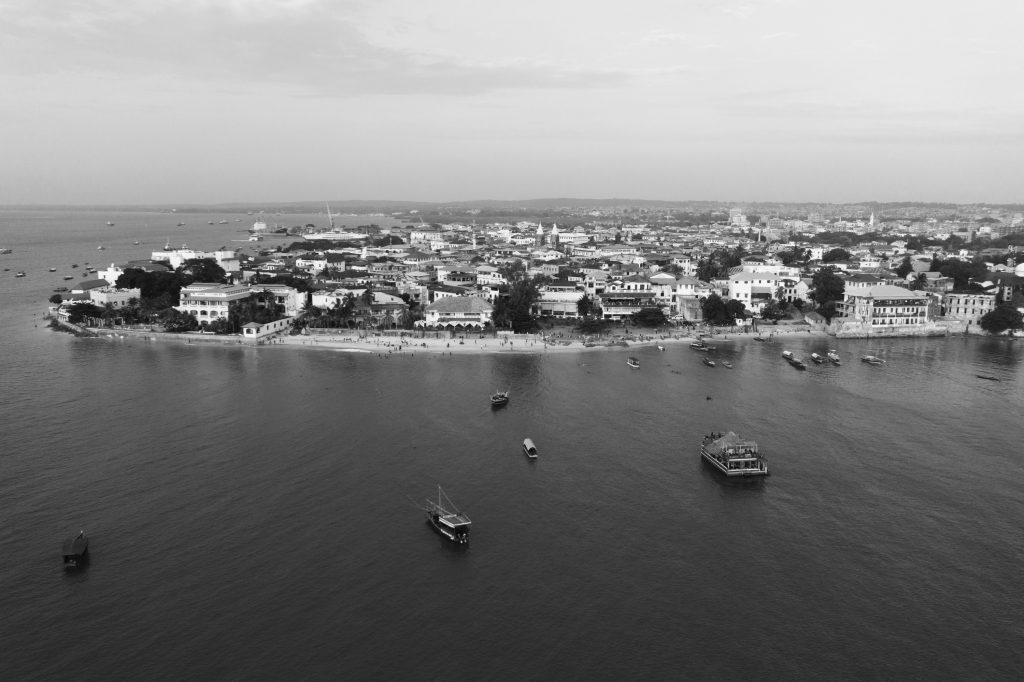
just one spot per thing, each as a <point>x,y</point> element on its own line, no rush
<point>100,247</point>
<point>69,277</point>
<point>732,455</point>
<point>499,399</point>
<point>53,269</point>
<point>633,362</point>
<point>987,377</point>
<point>110,224</point>
<point>833,357</point>
<point>447,519</point>
<point>661,347</point>
<point>817,358</point>
<point>19,273</point>
<point>5,251</point>
<point>708,361</point>
<point>872,360</point>
<point>181,224</point>
<point>529,448</point>
<point>758,338</point>
<point>136,242</point>
<point>699,345</point>
<point>726,364</point>
<point>75,550</point>
<point>793,360</point>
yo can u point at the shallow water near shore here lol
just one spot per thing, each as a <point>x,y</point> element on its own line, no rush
<point>250,516</point>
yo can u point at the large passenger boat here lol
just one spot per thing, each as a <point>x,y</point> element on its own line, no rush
<point>447,519</point>
<point>733,455</point>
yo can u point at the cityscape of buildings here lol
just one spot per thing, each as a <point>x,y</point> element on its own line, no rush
<point>450,272</point>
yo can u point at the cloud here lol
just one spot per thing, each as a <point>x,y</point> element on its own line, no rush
<point>779,35</point>
<point>311,45</point>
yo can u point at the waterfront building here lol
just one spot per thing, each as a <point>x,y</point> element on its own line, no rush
<point>458,312</point>
<point>886,310</point>
<point>968,308</point>
<point>754,289</point>
<point>558,299</point>
<point>117,298</point>
<point>208,302</point>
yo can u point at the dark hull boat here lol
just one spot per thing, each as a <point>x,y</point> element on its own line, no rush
<point>499,399</point>
<point>75,550</point>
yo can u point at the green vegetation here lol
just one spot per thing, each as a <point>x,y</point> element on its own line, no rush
<point>649,317</point>
<point>828,290</point>
<point>719,312</point>
<point>1003,318</point>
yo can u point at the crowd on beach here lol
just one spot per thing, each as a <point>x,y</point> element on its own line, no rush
<point>553,342</point>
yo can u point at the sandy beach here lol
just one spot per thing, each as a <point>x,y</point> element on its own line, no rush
<point>557,342</point>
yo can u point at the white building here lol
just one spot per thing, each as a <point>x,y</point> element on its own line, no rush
<point>118,298</point>
<point>207,302</point>
<point>458,312</point>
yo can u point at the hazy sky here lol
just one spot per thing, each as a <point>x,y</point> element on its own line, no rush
<point>204,101</point>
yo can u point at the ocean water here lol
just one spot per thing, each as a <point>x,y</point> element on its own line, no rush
<point>252,511</point>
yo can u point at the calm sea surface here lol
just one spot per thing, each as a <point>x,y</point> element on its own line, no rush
<point>250,516</point>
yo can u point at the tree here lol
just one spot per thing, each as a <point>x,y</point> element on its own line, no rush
<point>83,312</point>
<point>592,325</point>
<point>904,268</point>
<point>585,306</point>
<point>834,255</point>
<point>713,309</point>
<point>649,317</point>
<point>176,321</point>
<point>515,309</point>
<point>201,270</point>
<point>828,288</point>
<point>1004,317</point>
<point>56,299</point>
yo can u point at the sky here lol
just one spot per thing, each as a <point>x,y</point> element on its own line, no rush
<point>226,101</point>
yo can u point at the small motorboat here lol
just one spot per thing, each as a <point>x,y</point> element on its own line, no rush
<point>19,273</point>
<point>75,550</point>
<point>872,360</point>
<point>661,347</point>
<point>633,362</point>
<point>726,364</point>
<point>529,449</point>
<point>499,399</point>
<point>708,361</point>
<point>833,357</point>
<point>817,358</point>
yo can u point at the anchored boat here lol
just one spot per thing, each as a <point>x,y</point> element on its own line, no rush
<point>833,357</point>
<point>733,455</point>
<point>447,519</point>
<point>872,360</point>
<point>499,399</point>
<point>633,362</point>
<point>75,550</point>
<point>794,360</point>
<point>529,449</point>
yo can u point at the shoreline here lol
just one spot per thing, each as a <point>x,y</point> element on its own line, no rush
<point>473,344</point>
<point>466,344</point>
